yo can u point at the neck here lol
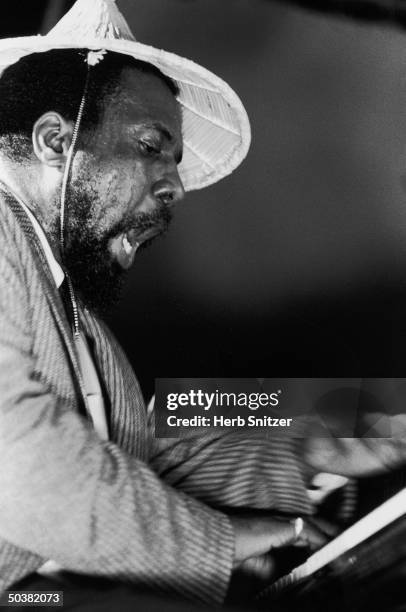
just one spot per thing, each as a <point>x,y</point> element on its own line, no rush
<point>22,182</point>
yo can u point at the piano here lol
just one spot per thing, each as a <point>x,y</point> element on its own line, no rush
<point>362,570</point>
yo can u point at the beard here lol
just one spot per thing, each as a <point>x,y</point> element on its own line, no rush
<point>97,277</point>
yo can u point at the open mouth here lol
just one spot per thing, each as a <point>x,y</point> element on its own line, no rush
<point>124,246</point>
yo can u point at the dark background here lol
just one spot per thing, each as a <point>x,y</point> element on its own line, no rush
<point>296,264</point>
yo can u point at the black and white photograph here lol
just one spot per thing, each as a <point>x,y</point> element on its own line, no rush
<point>202,305</point>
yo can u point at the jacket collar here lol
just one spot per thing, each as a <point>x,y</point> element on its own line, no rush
<point>56,269</point>
<point>51,291</point>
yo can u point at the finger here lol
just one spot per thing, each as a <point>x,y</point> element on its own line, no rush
<point>311,537</point>
<point>285,533</point>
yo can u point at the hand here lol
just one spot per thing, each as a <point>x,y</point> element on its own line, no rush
<point>354,457</point>
<point>256,536</point>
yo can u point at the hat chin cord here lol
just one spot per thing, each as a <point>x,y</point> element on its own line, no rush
<point>65,180</point>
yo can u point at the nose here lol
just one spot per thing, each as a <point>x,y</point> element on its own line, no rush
<point>169,190</point>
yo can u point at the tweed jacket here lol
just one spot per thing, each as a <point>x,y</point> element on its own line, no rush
<point>125,508</point>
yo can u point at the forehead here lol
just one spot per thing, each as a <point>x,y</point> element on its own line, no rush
<point>144,98</point>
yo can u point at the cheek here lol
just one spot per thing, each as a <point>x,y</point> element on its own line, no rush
<point>121,190</point>
<point>127,183</point>
<point>115,186</point>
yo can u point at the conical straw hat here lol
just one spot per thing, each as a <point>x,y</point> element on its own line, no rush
<point>216,128</point>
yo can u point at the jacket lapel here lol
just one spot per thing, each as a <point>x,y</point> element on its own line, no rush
<point>52,294</point>
<point>123,398</point>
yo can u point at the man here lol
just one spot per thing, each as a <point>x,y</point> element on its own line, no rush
<point>93,128</point>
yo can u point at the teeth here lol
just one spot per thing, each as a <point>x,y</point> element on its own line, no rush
<point>127,246</point>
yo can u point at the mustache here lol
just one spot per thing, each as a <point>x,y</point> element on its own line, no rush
<point>160,219</point>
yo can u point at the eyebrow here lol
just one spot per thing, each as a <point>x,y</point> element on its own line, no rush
<point>163,130</point>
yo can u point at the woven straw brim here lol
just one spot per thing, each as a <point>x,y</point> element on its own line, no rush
<point>216,129</point>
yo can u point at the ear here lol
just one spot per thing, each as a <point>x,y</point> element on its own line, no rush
<point>51,139</point>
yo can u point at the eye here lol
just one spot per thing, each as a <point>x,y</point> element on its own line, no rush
<point>148,149</point>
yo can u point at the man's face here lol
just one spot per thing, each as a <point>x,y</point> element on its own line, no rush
<point>123,187</point>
